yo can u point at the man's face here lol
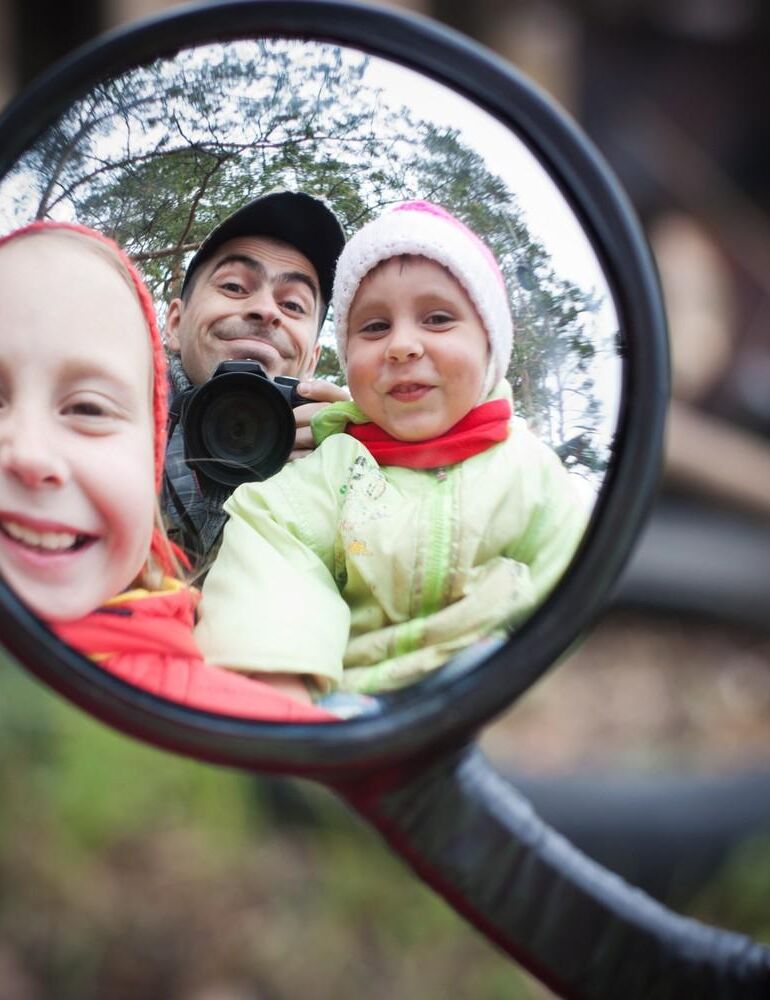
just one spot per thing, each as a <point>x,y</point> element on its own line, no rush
<point>255,298</point>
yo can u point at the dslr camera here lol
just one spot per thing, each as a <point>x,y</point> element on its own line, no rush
<point>238,427</point>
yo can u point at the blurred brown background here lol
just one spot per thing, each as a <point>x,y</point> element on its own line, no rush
<point>650,745</point>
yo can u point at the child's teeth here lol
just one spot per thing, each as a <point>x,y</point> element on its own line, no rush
<point>57,540</point>
<point>53,540</point>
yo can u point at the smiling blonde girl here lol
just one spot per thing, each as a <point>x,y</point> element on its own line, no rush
<point>82,436</point>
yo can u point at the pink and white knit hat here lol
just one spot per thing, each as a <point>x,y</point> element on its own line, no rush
<point>426,230</point>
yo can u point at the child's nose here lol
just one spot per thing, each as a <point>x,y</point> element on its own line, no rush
<point>28,454</point>
<point>404,343</point>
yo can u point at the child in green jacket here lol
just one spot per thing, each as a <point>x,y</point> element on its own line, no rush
<point>429,517</point>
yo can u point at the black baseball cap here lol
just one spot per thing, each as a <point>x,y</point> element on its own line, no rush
<point>292,217</point>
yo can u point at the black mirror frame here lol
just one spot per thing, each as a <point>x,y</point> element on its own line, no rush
<point>441,711</point>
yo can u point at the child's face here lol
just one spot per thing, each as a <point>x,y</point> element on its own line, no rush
<point>417,351</point>
<point>77,495</point>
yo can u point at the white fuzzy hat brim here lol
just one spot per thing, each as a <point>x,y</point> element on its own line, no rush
<point>422,234</point>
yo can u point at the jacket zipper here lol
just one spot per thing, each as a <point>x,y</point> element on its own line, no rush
<point>437,524</point>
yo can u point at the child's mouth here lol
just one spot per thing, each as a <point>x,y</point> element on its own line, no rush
<point>44,541</point>
<point>407,392</point>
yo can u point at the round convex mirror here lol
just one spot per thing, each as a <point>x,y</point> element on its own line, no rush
<point>156,135</point>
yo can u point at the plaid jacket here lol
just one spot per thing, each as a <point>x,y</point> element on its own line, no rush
<point>194,519</point>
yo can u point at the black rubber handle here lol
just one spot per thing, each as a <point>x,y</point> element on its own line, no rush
<point>578,928</point>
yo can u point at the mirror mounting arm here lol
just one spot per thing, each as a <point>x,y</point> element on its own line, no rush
<point>577,927</point>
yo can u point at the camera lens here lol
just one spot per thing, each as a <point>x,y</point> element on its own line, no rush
<point>233,428</point>
<point>238,427</point>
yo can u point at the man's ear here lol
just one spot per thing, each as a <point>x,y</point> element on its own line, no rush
<point>171,329</point>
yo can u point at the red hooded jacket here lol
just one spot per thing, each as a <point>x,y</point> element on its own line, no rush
<point>146,638</point>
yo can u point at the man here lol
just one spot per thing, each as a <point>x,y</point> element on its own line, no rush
<point>257,288</point>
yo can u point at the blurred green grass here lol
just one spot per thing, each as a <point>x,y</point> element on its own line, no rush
<point>739,894</point>
<point>129,872</point>
<point>132,873</point>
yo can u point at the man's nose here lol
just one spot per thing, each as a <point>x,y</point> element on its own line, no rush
<point>404,342</point>
<point>261,305</point>
<point>28,453</point>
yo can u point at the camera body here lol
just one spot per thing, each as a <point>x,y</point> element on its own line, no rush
<point>239,426</point>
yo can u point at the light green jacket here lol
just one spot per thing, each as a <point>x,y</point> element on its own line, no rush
<point>368,577</point>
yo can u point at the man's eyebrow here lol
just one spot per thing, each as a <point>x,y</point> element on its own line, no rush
<point>241,258</point>
<point>288,276</point>
<point>259,268</point>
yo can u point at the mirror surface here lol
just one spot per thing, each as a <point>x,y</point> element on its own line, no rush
<point>158,156</point>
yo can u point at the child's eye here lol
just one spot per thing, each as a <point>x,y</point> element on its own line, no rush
<point>439,319</point>
<point>374,327</point>
<point>85,408</point>
<point>90,413</point>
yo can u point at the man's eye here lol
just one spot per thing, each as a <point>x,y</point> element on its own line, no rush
<point>293,306</point>
<point>232,286</point>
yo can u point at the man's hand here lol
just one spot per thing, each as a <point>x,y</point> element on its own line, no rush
<point>321,393</point>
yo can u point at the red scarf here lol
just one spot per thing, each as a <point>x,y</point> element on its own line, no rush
<point>137,622</point>
<point>146,639</point>
<point>478,430</point>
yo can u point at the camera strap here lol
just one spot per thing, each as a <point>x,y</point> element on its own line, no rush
<point>189,535</point>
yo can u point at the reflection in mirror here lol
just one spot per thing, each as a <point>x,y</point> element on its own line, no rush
<point>159,156</point>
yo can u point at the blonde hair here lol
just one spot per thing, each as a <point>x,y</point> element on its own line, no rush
<point>158,566</point>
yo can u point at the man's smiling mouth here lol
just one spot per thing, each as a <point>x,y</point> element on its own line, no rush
<point>48,541</point>
<point>251,348</point>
